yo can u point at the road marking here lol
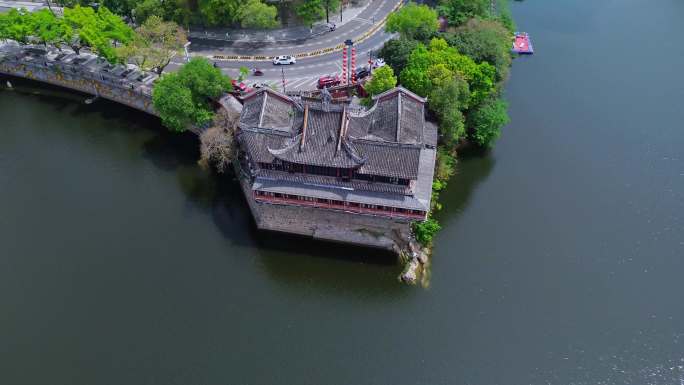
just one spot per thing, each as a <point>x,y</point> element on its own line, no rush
<point>364,20</point>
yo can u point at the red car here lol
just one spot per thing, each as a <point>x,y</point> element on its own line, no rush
<point>328,81</point>
<point>240,88</point>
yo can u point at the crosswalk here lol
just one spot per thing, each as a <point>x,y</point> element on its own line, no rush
<point>291,84</point>
<point>301,84</point>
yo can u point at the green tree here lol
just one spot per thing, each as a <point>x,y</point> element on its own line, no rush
<point>310,11</point>
<point>484,40</point>
<point>49,29</point>
<point>156,43</point>
<point>416,75</point>
<point>396,52</point>
<point>83,25</point>
<point>16,25</point>
<point>487,120</point>
<point>184,97</point>
<point>418,22</point>
<point>447,99</point>
<point>113,27</point>
<point>459,11</point>
<point>120,7</point>
<point>219,12</point>
<point>147,8</point>
<point>182,12</point>
<point>173,101</point>
<point>256,14</point>
<point>330,5</point>
<point>505,16</point>
<point>101,30</point>
<point>382,80</point>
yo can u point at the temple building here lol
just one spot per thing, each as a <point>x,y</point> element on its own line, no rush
<point>336,171</point>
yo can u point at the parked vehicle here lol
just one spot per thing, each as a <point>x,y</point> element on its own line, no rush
<point>284,60</point>
<point>260,85</point>
<point>328,81</point>
<point>239,88</point>
<point>379,62</point>
<point>362,73</point>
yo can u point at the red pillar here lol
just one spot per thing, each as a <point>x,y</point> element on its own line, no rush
<point>344,65</point>
<point>353,65</point>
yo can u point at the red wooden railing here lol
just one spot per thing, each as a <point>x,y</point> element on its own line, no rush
<point>351,209</point>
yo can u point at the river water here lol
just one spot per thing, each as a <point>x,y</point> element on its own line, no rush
<point>560,262</point>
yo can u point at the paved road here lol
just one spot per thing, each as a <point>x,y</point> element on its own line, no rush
<point>304,74</point>
<point>372,14</point>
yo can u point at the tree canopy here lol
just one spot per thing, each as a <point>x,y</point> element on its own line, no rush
<point>183,98</point>
<point>459,11</point>
<point>396,52</point>
<point>330,6</point>
<point>484,41</point>
<point>16,25</point>
<point>100,30</point>
<point>417,74</point>
<point>155,44</point>
<point>49,29</point>
<point>382,80</point>
<point>219,12</point>
<point>487,121</point>
<point>256,14</point>
<point>413,21</point>
<point>310,11</point>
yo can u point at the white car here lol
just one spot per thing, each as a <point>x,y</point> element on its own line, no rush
<point>379,62</point>
<point>284,59</point>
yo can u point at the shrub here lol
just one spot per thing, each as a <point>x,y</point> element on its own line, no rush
<point>426,230</point>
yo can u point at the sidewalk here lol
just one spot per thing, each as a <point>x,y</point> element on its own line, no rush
<point>279,35</point>
<point>268,43</point>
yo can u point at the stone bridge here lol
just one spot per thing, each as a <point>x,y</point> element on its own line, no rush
<point>85,73</point>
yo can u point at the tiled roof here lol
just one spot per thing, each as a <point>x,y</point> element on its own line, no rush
<point>385,140</point>
<point>320,144</point>
<point>398,161</point>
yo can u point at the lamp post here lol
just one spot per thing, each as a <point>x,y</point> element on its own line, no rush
<point>347,76</point>
<point>187,54</point>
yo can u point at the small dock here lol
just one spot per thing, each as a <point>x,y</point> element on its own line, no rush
<point>522,44</point>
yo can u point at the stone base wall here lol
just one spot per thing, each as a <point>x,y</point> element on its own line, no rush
<point>75,81</point>
<point>330,225</point>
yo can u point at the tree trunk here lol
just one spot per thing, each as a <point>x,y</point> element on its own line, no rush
<point>327,14</point>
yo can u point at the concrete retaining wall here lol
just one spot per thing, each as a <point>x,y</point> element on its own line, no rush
<point>330,225</point>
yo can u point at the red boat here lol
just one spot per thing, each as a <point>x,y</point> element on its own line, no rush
<point>522,43</point>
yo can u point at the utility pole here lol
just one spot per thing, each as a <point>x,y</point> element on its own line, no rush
<point>327,11</point>
<point>282,74</point>
<point>370,61</point>
<point>341,10</point>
